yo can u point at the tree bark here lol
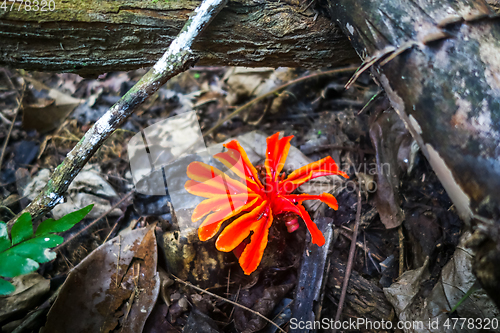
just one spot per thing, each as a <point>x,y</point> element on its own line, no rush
<point>90,37</point>
<point>439,63</point>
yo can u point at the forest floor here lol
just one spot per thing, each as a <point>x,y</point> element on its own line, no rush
<point>406,234</point>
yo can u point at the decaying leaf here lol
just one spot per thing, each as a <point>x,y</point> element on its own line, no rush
<point>115,287</point>
<point>455,280</point>
<point>30,288</point>
<point>244,82</point>
<point>262,299</point>
<point>200,322</point>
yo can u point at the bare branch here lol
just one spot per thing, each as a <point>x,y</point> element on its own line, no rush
<point>175,60</point>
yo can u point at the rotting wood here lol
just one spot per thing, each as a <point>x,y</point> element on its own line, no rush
<point>364,299</point>
<point>446,88</point>
<point>91,38</point>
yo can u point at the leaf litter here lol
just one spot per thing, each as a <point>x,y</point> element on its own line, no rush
<point>406,205</point>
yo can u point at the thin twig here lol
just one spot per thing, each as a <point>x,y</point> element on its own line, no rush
<point>19,102</point>
<point>112,229</point>
<point>229,301</point>
<point>352,254</point>
<point>228,282</point>
<point>276,90</point>
<point>175,60</point>
<point>309,5</point>
<point>236,300</point>
<point>401,250</point>
<point>96,220</point>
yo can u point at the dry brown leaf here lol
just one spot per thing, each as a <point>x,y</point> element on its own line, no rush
<point>116,286</point>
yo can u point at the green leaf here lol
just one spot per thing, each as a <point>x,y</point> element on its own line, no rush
<point>46,241</point>
<point>6,288</point>
<point>33,251</point>
<point>13,265</point>
<point>64,223</point>
<point>4,237</point>
<point>22,229</point>
<point>37,248</point>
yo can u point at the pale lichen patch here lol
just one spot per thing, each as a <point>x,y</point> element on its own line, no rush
<point>460,118</point>
<point>31,265</point>
<point>489,52</point>
<point>480,123</point>
<point>49,255</point>
<point>350,28</point>
<point>3,230</point>
<point>184,41</point>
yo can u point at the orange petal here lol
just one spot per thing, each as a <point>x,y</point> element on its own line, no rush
<point>233,161</point>
<point>316,235</point>
<point>236,146</point>
<point>239,229</point>
<point>321,173</point>
<point>276,154</point>
<point>205,173</point>
<point>207,189</point>
<point>326,165</point>
<point>212,223</point>
<point>218,201</point>
<point>272,142</point>
<point>288,186</point>
<point>327,198</point>
<point>280,204</point>
<point>252,255</point>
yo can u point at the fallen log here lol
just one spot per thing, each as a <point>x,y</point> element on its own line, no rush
<point>439,63</point>
<point>88,37</point>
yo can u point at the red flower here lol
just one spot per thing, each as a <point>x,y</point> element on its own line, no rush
<point>253,202</point>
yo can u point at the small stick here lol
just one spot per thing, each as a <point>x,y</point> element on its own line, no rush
<point>274,91</point>
<point>352,254</point>
<point>175,60</point>
<point>19,102</point>
<point>118,260</point>
<point>228,282</point>
<point>227,300</point>
<point>112,229</point>
<point>8,136</point>
<point>236,299</point>
<point>401,250</point>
